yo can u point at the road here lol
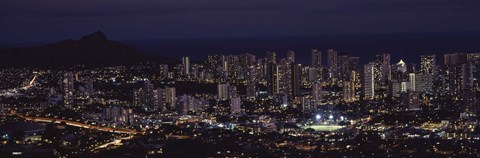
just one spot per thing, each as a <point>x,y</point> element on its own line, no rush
<point>116,141</point>
<point>82,125</point>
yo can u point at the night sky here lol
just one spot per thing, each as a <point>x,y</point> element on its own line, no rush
<point>54,20</point>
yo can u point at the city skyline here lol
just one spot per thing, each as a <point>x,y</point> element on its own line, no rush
<point>252,78</point>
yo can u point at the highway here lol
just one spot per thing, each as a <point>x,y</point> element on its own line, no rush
<point>81,125</point>
<point>116,141</point>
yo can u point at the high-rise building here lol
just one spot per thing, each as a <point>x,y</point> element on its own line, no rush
<point>332,63</point>
<point>474,61</point>
<point>348,91</point>
<point>399,72</point>
<point>251,82</point>
<point>411,100</point>
<point>467,76</point>
<point>368,81</point>
<point>295,80</point>
<point>354,63</point>
<point>273,79</point>
<point>423,82</point>
<point>149,100</point>
<point>138,95</point>
<point>397,88</point>
<point>285,77</point>
<point>164,71</point>
<point>349,88</point>
<point>471,101</point>
<point>411,82</point>
<point>383,69</point>
<point>271,57</point>
<point>344,69</point>
<point>317,92</point>
<point>312,74</point>
<point>159,98</point>
<point>117,114</point>
<point>427,64</point>
<point>455,78</point>
<point>291,56</point>
<point>455,58</point>
<point>68,90</point>
<point>235,105</point>
<point>145,96</point>
<point>186,67</point>
<point>170,96</point>
<point>223,91</point>
<point>316,58</point>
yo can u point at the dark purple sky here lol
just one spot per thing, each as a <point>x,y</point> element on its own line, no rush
<point>53,20</point>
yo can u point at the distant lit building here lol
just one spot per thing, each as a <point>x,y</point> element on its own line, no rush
<point>332,64</point>
<point>271,57</point>
<point>411,100</point>
<point>186,67</point>
<point>68,90</point>
<point>251,82</point>
<point>170,96</point>
<point>317,92</point>
<point>455,58</point>
<point>295,80</point>
<point>382,69</point>
<point>316,58</point>
<point>235,105</point>
<point>291,56</point>
<point>368,81</point>
<point>427,64</point>
<point>164,71</point>
<point>273,79</point>
<point>223,91</point>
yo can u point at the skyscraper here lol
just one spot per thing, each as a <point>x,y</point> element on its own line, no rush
<point>271,57</point>
<point>383,68</point>
<point>349,88</point>
<point>235,105</point>
<point>164,71</point>
<point>317,92</point>
<point>251,82</point>
<point>411,100</point>
<point>170,96</point>
<point>291,56</point>
<point>149,100</point>
<point>223,91</point>
<point>427,64</point>
<point>455,58</point>
<point>295,80</point>
<point>316,58</point>
<point>186,67</point>
<point>272,76</point>
<point>68,90</point>
<point>368,83</point>
<point>412,82</point>
<point>332,63</point>
<point>344,69</point>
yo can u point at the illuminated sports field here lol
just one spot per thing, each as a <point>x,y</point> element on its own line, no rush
<point>324,128</point>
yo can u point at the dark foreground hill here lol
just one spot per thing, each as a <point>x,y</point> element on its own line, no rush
<point>91,50</point>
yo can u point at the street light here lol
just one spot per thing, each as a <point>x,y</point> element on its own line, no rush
<point>318,117</point>
<point>330,117</point>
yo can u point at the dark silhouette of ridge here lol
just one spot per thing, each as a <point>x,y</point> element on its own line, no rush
<point>91,50</point>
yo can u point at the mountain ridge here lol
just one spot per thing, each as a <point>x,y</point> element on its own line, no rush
<point>91,50</point>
